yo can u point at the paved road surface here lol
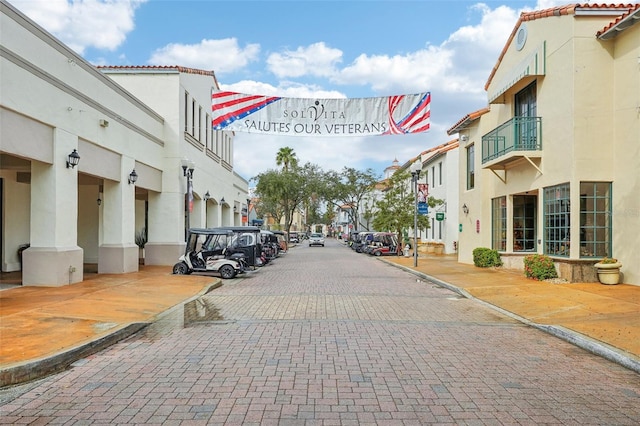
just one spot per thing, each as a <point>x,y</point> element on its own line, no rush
<point>326,336</point>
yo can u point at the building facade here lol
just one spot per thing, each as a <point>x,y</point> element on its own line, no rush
<point>551,166</point>
<point>439,172</point>
<point>57,108</point>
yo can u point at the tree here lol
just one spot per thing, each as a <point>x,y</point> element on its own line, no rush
<point>348,188</point>
<point>395,211</point>
<point>286,190</point>
<point>286,157</point>
<point>269,207</point>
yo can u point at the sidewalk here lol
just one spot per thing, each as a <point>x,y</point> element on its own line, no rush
<point>604,319</point>
<point>46,329</point>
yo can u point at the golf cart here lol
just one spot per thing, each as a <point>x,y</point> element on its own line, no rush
<point>246,240</point>
<point>209,250</point>
<point>384,244</point>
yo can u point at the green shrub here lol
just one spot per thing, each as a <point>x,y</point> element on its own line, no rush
<point>539,267</point>
<point>485,257</point>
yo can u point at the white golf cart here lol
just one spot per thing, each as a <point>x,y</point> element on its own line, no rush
<point>208,250</point>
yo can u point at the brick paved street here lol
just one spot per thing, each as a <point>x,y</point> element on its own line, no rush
<point>326,336</point>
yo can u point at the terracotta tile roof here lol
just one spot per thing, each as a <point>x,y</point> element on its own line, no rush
<point>178,68</point>
<point>467,119</point>
<point>569,9</point>
<point>603,33</point>
<point>435,151</point>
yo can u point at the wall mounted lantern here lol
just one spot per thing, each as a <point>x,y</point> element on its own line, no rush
<point>207,196</point>
<point>465,209</point>
<point>133,176</point>
<point>222,200</point>
<point>73,159</point>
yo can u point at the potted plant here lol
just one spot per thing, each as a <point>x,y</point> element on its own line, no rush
<point>141,241</point>
<point>608,270</point>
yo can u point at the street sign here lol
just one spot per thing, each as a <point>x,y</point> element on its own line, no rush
<point>440,216</point>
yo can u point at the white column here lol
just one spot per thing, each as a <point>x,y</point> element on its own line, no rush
<point>118,252</point>
<point>166,228</point>
<point>54,257</point>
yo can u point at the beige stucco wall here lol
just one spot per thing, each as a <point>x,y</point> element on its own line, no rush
<point>588,100</point>
<point>626,156</point>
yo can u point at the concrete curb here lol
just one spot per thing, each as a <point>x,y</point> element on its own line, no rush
<point>585,342</point>
<point>32,370</point>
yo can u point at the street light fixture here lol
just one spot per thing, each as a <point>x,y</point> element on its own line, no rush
<point>248,205</point>
<point>416,168</point>
<point>188,167</point>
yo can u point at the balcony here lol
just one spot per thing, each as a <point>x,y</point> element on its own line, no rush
<point>516,139</point>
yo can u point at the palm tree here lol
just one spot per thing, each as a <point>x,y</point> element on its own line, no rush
<point>286,157</point>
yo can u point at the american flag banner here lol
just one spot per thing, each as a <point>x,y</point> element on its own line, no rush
<point>390,115</point>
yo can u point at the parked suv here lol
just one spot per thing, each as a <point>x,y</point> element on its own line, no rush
<point>316,240</point>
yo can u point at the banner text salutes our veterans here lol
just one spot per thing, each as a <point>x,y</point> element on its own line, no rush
<point>314,128</point>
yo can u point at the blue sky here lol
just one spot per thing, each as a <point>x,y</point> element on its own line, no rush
<point>309,49</point>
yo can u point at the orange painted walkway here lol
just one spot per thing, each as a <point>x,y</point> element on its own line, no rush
<point>44,329</point>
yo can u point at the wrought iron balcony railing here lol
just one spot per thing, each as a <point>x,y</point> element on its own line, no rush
<point>517,134</point>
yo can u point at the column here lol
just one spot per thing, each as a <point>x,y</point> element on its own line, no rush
<point>118,252</point>
<point>54,258</point>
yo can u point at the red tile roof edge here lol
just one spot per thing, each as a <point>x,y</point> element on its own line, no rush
<point>178,68</point>
<point>545,13</point>
<point>467,119</point>
<point>618,20</point>
<point>442,148</point>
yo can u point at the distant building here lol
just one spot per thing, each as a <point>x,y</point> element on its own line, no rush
<point>440,173</point>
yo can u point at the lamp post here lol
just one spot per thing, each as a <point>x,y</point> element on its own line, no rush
<point>416,168</point>
<point>188,168</point>
<point>248,205</point>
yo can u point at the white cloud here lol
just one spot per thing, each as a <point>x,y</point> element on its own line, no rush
<point>285,89</point>
<point>222,56</point>
<point>316,59</point>
<point>102,24</point>
<point>460,64</point>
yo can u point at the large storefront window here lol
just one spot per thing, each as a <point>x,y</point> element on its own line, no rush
<point>595,219</point>
<point>557,212</point>
<point>524,222</point>
<point>499,223</point>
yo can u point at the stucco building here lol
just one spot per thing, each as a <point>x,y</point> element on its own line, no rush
<point>439,171</point>
<point>551,165</point>
<point>131,131</point>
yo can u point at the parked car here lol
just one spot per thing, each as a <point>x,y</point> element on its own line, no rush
<point>293,237</point>
<point>316,239</point>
